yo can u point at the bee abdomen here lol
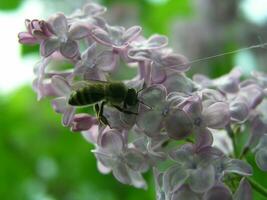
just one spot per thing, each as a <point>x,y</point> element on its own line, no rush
<point>86,96</point>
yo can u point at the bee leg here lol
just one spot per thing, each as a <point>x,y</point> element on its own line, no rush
<point>100,115</point>
<point>96,107</point>
<point>124,111</point>
<point>124,105</point>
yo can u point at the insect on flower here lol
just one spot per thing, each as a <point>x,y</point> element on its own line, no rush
<point>111,93</point>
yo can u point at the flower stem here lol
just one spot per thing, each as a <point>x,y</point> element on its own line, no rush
<point>231,134</point>
<point>256,186</point>
<point>244,152</point>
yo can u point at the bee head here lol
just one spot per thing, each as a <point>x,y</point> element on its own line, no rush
<point>131,97</point>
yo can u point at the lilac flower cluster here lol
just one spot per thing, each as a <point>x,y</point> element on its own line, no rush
<point>172,132</point>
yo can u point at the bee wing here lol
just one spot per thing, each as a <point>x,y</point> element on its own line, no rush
<point>98,81</point>
<point>82,84</point>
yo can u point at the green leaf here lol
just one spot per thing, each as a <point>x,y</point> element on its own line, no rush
<point>7,5</point>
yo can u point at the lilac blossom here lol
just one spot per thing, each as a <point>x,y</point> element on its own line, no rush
<point>125,163</point>
<point>37,31</point>
<point>170,128</point>
<point>116,36</point>
<point>60,104</point>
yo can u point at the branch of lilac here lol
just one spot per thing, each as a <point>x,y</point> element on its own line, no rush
<point>175,119</point>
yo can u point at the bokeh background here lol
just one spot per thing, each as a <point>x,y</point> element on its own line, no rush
<point>40,159</point>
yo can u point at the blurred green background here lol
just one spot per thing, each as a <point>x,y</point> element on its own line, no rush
<point>40,159</point>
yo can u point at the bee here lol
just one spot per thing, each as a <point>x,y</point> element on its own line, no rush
<point>114,94</point>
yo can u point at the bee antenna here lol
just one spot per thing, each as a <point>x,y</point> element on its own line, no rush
<point>144,104</point>
<point>140,90</point>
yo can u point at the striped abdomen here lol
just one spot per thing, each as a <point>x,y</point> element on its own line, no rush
<point>90,94</point>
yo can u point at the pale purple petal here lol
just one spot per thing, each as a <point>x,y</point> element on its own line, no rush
<point>157,41</point>
<point>263,142</point>
<point>112,141</point>
<point>183,155</point>
<point>68,116</point>
<point>208,154</point>
<point>216,115</point>
<point>104,157</point>
<point>93,9</point>
<point>47,47</point>
<point>61,86</point>
<point>239,111</point>
<point>69,49</point>
<point>177,82</point>
<point>140,55</point>
<point>121,173</point>
<point>178,125</point>
<point>150,122</point>
<point>158,74</point>
<point>202,80</point>
<point>130,34</point>
<point>136,179</point>
<point>115,120</point>
<point>185,193</point>
<point>258,129</point>
<point>102,168</point>
<point>59,25</point>
<point>82,122</point>
<point>202,179</point>
<point>204,138</point>
<point>59,104</point>
<point>244,191</point>
<point>91,135</point>
<point>219,192</point>
<point>135,160</point>
<point>89,54</point>
<point>154,95</point>
<point>174,178</point>
<point>106,61</point>
<point>102,37</point>
<point>261,158</point>
<point>253,93</point>
<point>238,167</point>
<point>26,38</point>
<point>78,31</point>
<point>175,62</point>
